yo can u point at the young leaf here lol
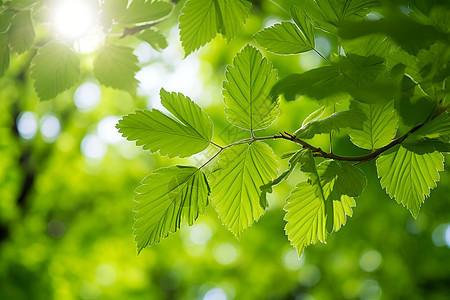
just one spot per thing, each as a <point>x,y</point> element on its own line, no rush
<point>4,53</point>
<point>154,38</point>
<point>184,136</point>
<point>329,15</point>
<point>375,44</point>
<point>378,129</point>
<point>433,136</point>
<point>305,216</point>
<point>21,32</point>
<point>323,201</point>
<point>236,181</point>
<point>343,76</point>
<point>54,69</point>
<point>144,11</point>
<point>115,66</point>
<point>164,198</point>
<point>5,20</point>
<point>304,24</point>
<point>353,118</point>
<point>408,176</point>
<point>283,38</point>
<point>201,20</point>
<point>233,14</point>
<point>246,91</point>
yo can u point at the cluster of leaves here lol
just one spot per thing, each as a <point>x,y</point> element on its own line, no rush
<point>396,96</point>
<point>55,66</point>
<point>387,76</point>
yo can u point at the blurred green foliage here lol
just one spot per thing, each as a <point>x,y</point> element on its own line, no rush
<point>66,200</point>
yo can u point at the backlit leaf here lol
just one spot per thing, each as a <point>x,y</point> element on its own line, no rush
<point>188,133</point>
<point>353,118</point>
<point>4,53</point>
<point>247,91</point>
<point>55,69</point>
<point>408,176</point>
<point>324,201</point>
<point>144,11</point>
<point>378,129</point>
<point>236,180</point>
<point>202,20</point>
<point>115,66</point>
<point>283,38</point>
<point>155,38</point>
<point>164,198</point>
<point>21,32</point>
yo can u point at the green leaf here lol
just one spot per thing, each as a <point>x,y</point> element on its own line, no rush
<point>408,176</point>
<point>268,187</point>
<point>304,24</point>
<point>343,76</point>
<point>155,38</point>
<point>414,106</point>
<point>325,200</point>
<point>284,38</point>
<point>353,118</point>
<point>409,34</point>
<point>5,20</point>
<point>145,11</point>
<point>305,217</point>
<point>341,209</point>
<point>164,198</point>
<point>247,91</point>
<point>329,15</point>
<point>236,180</point>
<point>202,20</point>
<point>21,32</point>
<point>54,69</point>
<point>184,136</point>
<point>375,44</point>
<point>432,136</point>
<point>379,128</point>
<point>315,115</point>
<point>115,66</point>
<point>4,53</point>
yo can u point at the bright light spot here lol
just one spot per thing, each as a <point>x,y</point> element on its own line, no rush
<point>73,18</point>
<point>50,128</point>
<point>370,260</point>
<point>370,290</point>
<point>323,46</point>
<point>107,131</point>
<point>291,260</point>
<point>27,125</point>
<point>200,234</point>
<point>441,235</point>
<point>373,16</point>
<point>309,275</point>
<point>309,60</point>
<point>93,147</point>
<point>215,294</point>
<point>90,42</point>
<point>144,52</point>
<point>225,254</point>
<point>106,275</point>
<point>87,96</point>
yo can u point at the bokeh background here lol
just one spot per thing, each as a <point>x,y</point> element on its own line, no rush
<point>67,180</point>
